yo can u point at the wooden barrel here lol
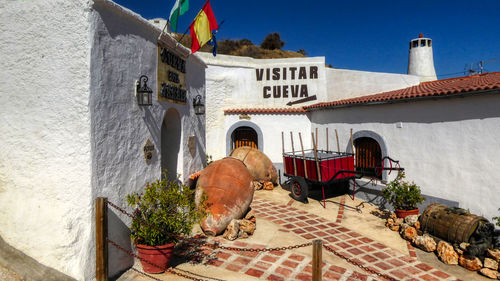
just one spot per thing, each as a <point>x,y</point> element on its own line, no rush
<point>451,224</point>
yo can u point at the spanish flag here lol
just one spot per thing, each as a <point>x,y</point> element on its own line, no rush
<point>202,26</point>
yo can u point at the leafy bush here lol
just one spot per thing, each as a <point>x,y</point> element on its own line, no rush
<point>497,219</point>
<point>272,42</point>
<point>403,195</point>
<point>164,211</point>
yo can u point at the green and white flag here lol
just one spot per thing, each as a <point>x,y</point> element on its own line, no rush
<point>179,9</point>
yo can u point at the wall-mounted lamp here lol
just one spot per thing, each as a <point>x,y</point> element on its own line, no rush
<point>199,107</point>
<point>143,92</point>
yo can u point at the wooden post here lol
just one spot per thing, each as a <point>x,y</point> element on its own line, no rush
<point>317,260</point>
<point>352,148</point>
<point>316,137</point>
<point>283,151</point>
<point>315,150</point>
<point>101,235</point>
<point>326,139</point>
<point>338,143</point>
<point>293,152</point>
<point>303,155</point>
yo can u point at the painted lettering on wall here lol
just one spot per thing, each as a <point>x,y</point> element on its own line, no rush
<point>171,76</point>
<point>299,75</point>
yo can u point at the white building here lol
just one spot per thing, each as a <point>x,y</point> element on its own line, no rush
<point>445,133</point>
<point>72,129</point>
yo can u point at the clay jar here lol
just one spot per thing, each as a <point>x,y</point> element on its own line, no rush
<point>227,185</point>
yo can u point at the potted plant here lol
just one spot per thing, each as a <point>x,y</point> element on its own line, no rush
<point>162,213</point>
<point>403,195</point>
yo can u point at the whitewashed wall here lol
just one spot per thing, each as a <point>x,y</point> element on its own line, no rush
<point>45,160</point>
<point>124,47</point>
<point>271,126</point>
<point>450,147</point>
<point>344,84</point>
<point>72,129</point>
<point>232,83</point>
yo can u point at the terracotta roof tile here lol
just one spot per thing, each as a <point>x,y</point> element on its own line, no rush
<point>264,110</point>
<point>487,81</point>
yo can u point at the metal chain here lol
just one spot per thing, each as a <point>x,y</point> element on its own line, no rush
<point>169,270</point>
<point>217,245</point>
<point>178,237</point>
<point>328,248</point>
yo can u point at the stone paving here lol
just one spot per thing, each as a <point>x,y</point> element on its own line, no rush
<point>288,265</point>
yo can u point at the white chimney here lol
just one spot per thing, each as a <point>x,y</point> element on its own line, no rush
<point>420,59</point>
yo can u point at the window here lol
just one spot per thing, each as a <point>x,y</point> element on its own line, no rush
<point>244,136</point>
<point>415,43</point>
<point>422,43</point>
<point>429,43</point>
<point>368,157</point>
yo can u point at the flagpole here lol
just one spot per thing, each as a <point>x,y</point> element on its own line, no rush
<point>220,24</point>
<point>163,29</point>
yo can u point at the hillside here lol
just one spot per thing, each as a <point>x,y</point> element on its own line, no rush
<point>241,47</point>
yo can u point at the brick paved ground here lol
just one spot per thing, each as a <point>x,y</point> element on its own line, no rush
<point>290,265</point>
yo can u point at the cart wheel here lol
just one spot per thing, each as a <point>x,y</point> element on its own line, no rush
<point>299,189</point>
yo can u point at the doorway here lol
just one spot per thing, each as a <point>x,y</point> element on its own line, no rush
<point>244,136</point>
<point>170,143</point>
<point>368,157</point>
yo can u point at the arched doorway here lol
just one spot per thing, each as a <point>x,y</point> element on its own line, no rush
<point>170,142</point>
<point>244,136</point>
<point>368,157</point>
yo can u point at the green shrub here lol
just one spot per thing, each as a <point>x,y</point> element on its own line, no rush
<point>403,195</point>
<point>497,219</point>
<point>164,211</point>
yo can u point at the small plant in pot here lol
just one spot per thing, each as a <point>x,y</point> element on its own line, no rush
<point>164,212</point>
<point>403,196</point>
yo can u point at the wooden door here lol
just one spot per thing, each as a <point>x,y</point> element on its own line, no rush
<point>245,136</point>
<point>368,156</point>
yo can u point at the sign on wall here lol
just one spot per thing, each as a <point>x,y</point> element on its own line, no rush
<point>171,76</point>
<point>287,83</point>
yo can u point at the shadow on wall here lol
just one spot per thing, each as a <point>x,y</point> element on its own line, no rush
<point>428,111</point>
<point>118,261</point>
<point>27,267</point>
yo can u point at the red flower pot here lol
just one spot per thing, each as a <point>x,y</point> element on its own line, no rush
<point>155,259</point>
<point>404,213</point>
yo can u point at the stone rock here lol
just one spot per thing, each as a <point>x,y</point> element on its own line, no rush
<point>493,274</point>
<point>242,234</point>
<point>268,185</point>
<point>411,220</point>
<point>416,225</point>
<point>393,216</point>
<point>247,226</point>
<point>463,246</point>
<point>232,230</point>
<point>426,243</point>
<point>474,264</point>
<point>494,253</point>
<point>394,227</point>
<point>458,250</point>
<point>408,232</point>
<point>490,263</point>
<point>250,216</point>
<point>257,185</point>
<point>446,253</point>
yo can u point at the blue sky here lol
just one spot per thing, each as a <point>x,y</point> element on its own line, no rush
<point>358,34</point>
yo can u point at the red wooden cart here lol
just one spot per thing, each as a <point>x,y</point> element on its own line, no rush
<point>325,168</point>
